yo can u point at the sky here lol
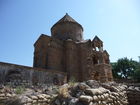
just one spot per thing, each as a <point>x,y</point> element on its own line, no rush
<point>115,22</point>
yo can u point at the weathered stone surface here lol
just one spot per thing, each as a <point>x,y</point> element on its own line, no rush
<point>99,95</point>
<point>15,75</point>
<point>85,98</point>
<point>83,86</point>
<point>93,92</point>
<point>34,97</point>
<point>104,97</point>
<point>73,101</point>
<point>92,83</point>
<point>25,99</point>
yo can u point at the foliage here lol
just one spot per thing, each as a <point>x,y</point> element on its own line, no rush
<point>124,68</point>
<point>19,89</point>
<point>72,81</point>
<point>115,70</point>
<point>137,73</point>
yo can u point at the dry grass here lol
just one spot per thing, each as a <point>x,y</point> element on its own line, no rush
<point>63,91</point>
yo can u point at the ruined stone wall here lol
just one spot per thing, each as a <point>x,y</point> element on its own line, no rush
<point>86,61</point>
<point>133,94</point>
<point>103,72</point>
<point>93,93</point>
<point>18,75</point>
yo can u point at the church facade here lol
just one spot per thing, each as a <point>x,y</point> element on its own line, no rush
<point>66,51</point>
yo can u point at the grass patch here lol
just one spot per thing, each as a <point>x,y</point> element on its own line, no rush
<point>19,89</point>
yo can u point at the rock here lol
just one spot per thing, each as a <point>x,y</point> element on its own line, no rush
<point>109,100</point>
<point>93,92</point>
<point>73,101</point>
<point>111,88</point>
<point>40,96</point>
<point>85,98</point>
<point>95,98</point>
<point>34,97</point>
<point>83,86</point>
<point>102,97</point>
<point>2,95</point>
<point>92,83</point>
<point>93,103</point>
<point>29,104</point>
<point>13,101</point>
<point>2,91</point>
<point>8,95</point>
<point>114,94</point>
<point>103,90</point>
<point>45,95</point>
<point>79,93</point>
<point>13,95</point>
<point>2,98</point>
<point>57,102</point>
<point>137,89</point>
<point>112,97</point>
<point>54,95</point>
<point>106,95</point>
<point>34,101</point>
<point>25,99</point>
<point>1,86</point>
<point>50,91</point>
<point>63,91</point>
<point>99,97</point>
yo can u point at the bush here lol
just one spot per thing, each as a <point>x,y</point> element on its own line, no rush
<point>137,74</point>
<point>19,89</point>
<point>72,81</point>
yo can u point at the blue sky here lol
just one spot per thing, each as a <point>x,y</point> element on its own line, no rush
<point>116,22</point>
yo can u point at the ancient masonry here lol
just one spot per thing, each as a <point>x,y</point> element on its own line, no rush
<point>62,56</point>
<point>66,51</point>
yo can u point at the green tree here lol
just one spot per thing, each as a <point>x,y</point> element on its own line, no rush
<point>115,70</point>
<point>124,68</point>
<point>137,73</point>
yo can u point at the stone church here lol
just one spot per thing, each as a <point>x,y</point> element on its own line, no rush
<point>66,51</point>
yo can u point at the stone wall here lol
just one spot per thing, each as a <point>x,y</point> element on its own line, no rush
<point>18,75</point>
<point>104,72</point>
<point>86,63</point>
<point>133,94</point>
<point>92,93</point>
<point>11,96</point>
<point>85,93</point>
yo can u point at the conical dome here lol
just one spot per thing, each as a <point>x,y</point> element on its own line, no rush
<point>67,28</point>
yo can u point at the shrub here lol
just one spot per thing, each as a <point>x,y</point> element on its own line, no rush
<point>19,89</point>
<point>72,81</point>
